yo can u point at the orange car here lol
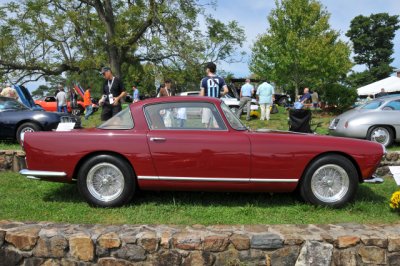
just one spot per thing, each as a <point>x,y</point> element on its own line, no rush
<point>49,104</point>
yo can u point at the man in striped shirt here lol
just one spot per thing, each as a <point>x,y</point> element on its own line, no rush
<point>211,86</point>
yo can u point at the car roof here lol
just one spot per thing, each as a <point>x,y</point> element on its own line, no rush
<point>179,99</point>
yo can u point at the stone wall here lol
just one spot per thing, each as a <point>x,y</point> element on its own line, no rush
<point>330,245</point>
<point>12,160</point>
<point>390,159</point>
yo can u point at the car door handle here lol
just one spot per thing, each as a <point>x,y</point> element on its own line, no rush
<point>157,139</point>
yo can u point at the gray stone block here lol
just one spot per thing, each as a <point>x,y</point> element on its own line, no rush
<point>266,241</point>
<point>131,252</point>
<point>315,253</point>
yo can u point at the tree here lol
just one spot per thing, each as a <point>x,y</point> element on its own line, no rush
<point>300,49</point>
<point>41,91</point>
<point>372,37</point>
<point>42,38</point>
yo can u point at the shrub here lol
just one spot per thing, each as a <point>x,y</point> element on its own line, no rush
<point>340,96</point>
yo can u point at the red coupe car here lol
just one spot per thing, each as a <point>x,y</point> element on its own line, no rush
<point>163,144</point>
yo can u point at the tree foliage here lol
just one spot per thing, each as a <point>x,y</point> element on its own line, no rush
<point>372,37</point>
<point>41,91</point>
<point>299,48</point>
<point>42,38</point>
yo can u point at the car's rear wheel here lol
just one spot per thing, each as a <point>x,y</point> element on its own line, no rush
<point>331,180</point>
<point>24,128</point>
<point>381,134</point>
<point>106,181</point>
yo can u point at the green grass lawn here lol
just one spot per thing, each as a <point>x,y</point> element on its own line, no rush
<point>9,145</point>
<point>280,121</point>
<point>29,200</point>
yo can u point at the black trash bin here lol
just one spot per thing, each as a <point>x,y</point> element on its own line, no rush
<point>300,120</point>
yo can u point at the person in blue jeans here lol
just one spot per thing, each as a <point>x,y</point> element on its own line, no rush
<point>61,98</point>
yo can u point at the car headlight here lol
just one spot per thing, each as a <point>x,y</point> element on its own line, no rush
<point>334,123</point>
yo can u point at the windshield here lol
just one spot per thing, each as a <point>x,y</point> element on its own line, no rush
<point>232,118</point>
<point>372,105</point>
<point>122,120</point>
<point>11,104</point>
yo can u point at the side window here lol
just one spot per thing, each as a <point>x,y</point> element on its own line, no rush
<point>392,106</point>
<point>184,116</point>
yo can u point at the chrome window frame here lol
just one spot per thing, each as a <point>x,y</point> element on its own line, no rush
<point>185,129</point>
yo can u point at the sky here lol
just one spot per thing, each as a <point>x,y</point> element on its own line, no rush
<point>252,16</point>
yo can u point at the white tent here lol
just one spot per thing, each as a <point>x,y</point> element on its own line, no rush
<point>390,84</point>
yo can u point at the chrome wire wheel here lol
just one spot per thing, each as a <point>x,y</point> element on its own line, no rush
<point>330,183</point>
<point>381,135</point>
<point>105,182</point>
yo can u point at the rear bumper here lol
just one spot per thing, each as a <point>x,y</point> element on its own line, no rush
<point>35,174</point>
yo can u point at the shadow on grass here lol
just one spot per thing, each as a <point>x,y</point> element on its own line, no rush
<point>365,193</point>
<point>69,193</point>
<point>64,193</point>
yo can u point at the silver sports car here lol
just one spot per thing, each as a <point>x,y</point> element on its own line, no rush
<point>377,120</point>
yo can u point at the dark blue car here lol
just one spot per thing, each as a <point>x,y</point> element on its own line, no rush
<point>16,119</point>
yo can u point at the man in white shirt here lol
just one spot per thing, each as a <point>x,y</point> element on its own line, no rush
<point>61,98</point>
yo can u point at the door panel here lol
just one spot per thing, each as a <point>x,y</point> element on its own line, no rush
<point>200,154</point>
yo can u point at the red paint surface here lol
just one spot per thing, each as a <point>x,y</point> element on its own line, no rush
<point>223,154</point>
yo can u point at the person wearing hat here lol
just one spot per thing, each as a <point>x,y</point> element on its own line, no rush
<point>113,92</point>
<point>9,92</point>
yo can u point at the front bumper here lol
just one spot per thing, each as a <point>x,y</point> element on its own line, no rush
<point>38,175</point>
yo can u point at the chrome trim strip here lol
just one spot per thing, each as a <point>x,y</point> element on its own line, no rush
<point>218,179</point>
<point>36,173</point>
<point>273,180</point>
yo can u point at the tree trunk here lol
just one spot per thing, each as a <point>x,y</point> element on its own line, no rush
<point>296,91</point>
<point>115,61</point>
<point>106,14</point>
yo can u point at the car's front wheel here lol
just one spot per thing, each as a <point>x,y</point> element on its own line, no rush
<point>24,128</point>
<point>381,134</point>
<point>331,180</point>
<point>106,181</point>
